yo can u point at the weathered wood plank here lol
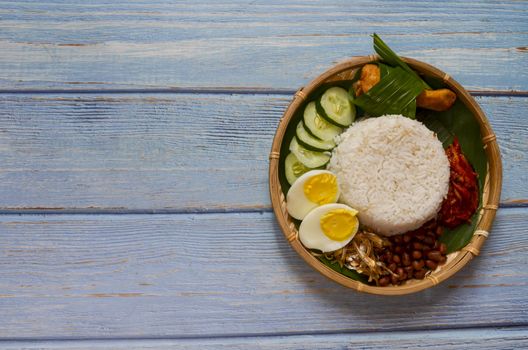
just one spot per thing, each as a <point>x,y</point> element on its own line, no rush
<point>224,274</point>
<point>472,339</point>
<point>171,152</point>
<point>273,44</point>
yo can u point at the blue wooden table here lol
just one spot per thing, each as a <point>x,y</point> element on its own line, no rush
<point>134,208</point>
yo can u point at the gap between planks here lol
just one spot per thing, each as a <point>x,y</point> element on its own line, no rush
<point>191,210</point>
<point>218,91</point>
<point>506,326</point>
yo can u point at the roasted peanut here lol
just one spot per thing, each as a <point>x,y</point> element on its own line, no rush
<point>418,264</point>
<point>420,274</point>
<point>431,264</point>
<point>434,255</point>
<point>417,245</point>
<point>417,254</point>
<point>384,281</point>
<point>406,259</point>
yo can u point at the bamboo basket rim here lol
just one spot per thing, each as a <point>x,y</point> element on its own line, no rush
<point>490,197</point>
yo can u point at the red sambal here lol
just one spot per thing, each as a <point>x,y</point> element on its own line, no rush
<point>462,197</point>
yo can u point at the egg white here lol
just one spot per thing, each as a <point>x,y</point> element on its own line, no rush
<point>313,237</point>
<point>297,204</point>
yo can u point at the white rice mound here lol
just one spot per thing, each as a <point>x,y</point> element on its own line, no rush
<point>393,170</point>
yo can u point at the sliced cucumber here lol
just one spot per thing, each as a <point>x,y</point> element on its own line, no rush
<point>317,126</point>
<point>311,159</point>
<point>294,168</point>
<point>311,143</point>
<point>309,132</point>
<point>335,107</point>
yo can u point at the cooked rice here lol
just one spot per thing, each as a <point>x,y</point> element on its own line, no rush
<point>393,170</point>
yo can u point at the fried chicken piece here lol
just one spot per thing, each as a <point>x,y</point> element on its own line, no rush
<point>436,100</point>
<point>370,76</point>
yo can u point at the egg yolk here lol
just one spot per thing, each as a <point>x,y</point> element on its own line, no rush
<point>339,224</point>
<point>321,189</point>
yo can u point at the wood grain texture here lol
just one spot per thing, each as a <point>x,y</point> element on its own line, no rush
<point>224,275</point>
<point>270,44</point>
<point>171,152</point>
<point>479,339</point>
<point>217,273</point>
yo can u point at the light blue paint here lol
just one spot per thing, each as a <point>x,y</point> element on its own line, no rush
<point>224,274</point>
<point>225,278</point>
<point>171,152</point>
<point>473,339</point>
<point>260,44</point>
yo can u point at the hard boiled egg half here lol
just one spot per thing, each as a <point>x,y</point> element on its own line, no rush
<point>310,190</point>
<point>329,227</point>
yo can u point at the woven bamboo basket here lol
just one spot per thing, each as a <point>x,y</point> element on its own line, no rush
<point>491,189</point>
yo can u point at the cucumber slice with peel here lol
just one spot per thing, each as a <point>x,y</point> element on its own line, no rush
<point>294,168</point>
<point>308,131</point>
<point>335,107</point>
<point>310,159</point>
<point>317,126</point>
<point>311,143</point>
